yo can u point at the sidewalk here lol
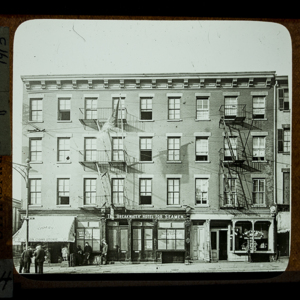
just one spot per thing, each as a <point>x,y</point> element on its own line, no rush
<point>205,267</point>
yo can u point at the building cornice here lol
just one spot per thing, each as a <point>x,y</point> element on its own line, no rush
<point>148,81</point>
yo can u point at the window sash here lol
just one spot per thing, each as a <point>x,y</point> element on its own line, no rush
<point>173,191</point>
<point>259,106</point>
<point>231,106</point>
<point>146,104</point>
<point>90,191</point>
<point>35,191</point>
<point>201,190</point>
<point>233,143</point>
<point>63,148</point>
<point>36,110</point>
<point>174,108</point>
<point>90,151</point>
<point>259,144</point>
<point>117,149</point>
<point>202,109</point>
<point>118,191</point>
<point>202,147</point>
<point>286,140</point>
<point>35,150</point>
<point>258,191</point>
<point>173,149</point>
<point>63,191</point>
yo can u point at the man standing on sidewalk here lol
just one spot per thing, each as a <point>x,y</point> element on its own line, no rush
<point>104,252</point>
<point>39,259</point>
<point>87,253</point>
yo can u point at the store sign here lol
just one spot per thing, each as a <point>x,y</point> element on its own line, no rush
<point>144,216</point>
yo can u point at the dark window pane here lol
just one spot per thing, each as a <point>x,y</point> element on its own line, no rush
<point>145,200</point>
<point>146,115</point>
<point>64,200</point>
<point>201,157</point>
<point>146,155</point>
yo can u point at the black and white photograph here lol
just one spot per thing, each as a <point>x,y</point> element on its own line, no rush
<point>151,147</point>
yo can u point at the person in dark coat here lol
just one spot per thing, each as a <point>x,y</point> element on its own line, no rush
<point>87,253</point>
<point>21,262</point>
<point>104,252</point>
<point>78,256</point>
<point>27,259</point>
<point>39,259</point>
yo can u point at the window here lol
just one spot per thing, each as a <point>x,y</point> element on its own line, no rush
<point>284,140</point>
<point>145,149</point>
<point>230,148</point>
<point>63,191</point>
<point>201,191</point>
<point>35,149</point>
<point>230,107</point>
<point>173,149</point>
<point>36,110</point>
<point>259,107</point>
<point>258,194</point>
<point>145,191</point>
<point>202,108</point>
<point>119,103</point>
<point>146,108</point>
<point>117,149</point>
<point>171,235</point>
<point>89,191</point>
<point>259,144</point>
<point>174,109</point>
<point>230,191</point>
<point>90,149</point>
<point>89,232</point>
<point>286,187</point>
<point>118,191</point>
<point>202,149</point>
<point>63,149</point>
<point>283,97</point>
<point>90,108</point>
<point>173,191</point>
<point>64,113</point>
<point>35,191</point>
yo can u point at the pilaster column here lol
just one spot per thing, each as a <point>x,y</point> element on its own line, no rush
<point>129,240</point>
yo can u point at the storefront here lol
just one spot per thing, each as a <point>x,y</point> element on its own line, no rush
<point>148,237</point>
<point>51,232</point>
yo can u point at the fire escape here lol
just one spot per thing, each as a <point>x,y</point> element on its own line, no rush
<point>236,157</point>
<point>112,158</point>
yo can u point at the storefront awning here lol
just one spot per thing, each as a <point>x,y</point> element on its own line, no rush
<point>283,222</point>
<point>47,229</point>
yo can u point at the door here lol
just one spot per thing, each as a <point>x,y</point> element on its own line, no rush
<point>198,243</point>
<point>142,244</point>
<point>117,243</point>
<point>218,244</point>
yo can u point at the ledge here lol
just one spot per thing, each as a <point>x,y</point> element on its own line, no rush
<point>36,162</point>
<point>146,162</point>
<point>63,162</point>
<point>64,121</point>
<point>174,162</point>
<point>199,120</point>
<point>202,161</point>
<point>175,120</point>
<point>63,205</point>
<point>146,120</point>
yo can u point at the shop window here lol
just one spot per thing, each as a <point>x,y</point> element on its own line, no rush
<point>63,191</point>
<point>146,108</point>
<point>90,108</point>
<point>173,149</point>
<point>174,108</point>
<point>259,108</point>
<point>171,236</point>
<point>259,148</point>
<point>240,235</point>
<point>145,191</point>
<point>89,232</point>
<point>261,236</point>
<point>202,149</point>
<point>63,151</point>
<point>64,109</point>
<point>202,108</point>
<point>36,110</point>
<point>35,149</point>
<point>35,192</point>
<point>145,149</point>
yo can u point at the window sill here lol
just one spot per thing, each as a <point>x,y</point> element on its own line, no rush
<point>175,120</point>
<point>146,120</point>
<point>146,205</point>
<point>174,162</point>
<point>199,120</point>
<point>285,111</point>
<point>259,161</point>
<point>257,119</point>
<point>285,153</point>
<point>64,121</point>
<point>202,161</point>
<point>36,121</point>
<point>63,162</point>
<point>146,162</point>
<point>259,205</point>
<point>63,205</point>
<point>35,205</point>
<point>173,205</point>
<point>201,205</point>
<point>36,162</point>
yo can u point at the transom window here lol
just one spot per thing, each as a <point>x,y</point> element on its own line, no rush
<point>202,108</point>
<point>174,108</point>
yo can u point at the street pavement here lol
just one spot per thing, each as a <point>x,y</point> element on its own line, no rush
<point>194,267</point>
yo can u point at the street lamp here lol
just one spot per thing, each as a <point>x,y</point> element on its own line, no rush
<point>27,202</point>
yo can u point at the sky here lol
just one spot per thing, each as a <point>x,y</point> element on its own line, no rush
<point>45,47</point>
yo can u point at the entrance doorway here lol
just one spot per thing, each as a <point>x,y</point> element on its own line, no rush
<point>198,242</point>
<point>117,243</point>
<point>218,244</point>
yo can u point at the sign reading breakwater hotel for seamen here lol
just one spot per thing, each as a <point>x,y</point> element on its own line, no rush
<point>144,216</point>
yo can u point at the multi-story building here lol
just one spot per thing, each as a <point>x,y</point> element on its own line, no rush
<point>283,165</point>
<point>165,167</point>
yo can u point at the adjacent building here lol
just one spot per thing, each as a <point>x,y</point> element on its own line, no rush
<point>165,167</point>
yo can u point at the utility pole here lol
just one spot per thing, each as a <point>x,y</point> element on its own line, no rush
<point>27,202</point>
